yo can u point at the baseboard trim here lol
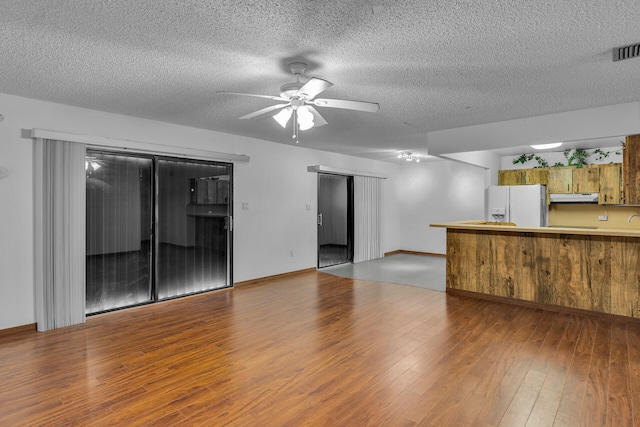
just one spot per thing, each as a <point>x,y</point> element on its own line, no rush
<point>402,251</point>
<point>31,327</point>
<point>541,306</point>
<point>275,276</point>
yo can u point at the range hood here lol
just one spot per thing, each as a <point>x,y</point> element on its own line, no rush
<point>574,198</point>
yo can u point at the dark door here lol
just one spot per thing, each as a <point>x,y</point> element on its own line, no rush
<point>335,219</point>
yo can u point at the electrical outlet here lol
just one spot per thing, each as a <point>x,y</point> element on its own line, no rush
<point>603,218</point>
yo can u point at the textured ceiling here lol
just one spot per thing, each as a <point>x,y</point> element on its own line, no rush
<point>431,65</point>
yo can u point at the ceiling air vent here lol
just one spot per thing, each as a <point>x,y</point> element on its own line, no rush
<point>626,52</point>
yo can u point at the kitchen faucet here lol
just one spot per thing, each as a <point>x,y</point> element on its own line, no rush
<point>631,216</point>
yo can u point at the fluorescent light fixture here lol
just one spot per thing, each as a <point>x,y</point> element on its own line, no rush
<point>283,116</point>
<point>546,146</point>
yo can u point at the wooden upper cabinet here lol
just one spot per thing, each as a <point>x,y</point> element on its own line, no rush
<point>586,179</point>
<point>536,176</point>
<point>631,170</point>
<point>604,179</point>
<point>610,184</point>
<point>560,180</point>
<point>511,177</point>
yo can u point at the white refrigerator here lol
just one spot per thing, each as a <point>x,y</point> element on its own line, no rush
<point>524,205</point>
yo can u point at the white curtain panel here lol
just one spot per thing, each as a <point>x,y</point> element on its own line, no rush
<point>367,218</point>
<point>59,233</point>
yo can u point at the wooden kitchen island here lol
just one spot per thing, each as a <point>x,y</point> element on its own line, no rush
<point>572,268</point>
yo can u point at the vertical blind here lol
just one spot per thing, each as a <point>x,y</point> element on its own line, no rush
<point>367,218</point>
<point>59,233</point>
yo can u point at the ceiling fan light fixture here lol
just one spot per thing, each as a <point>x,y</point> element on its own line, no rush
<point>305,118</point>
<point>295,97</point>
<point>283,116</point>
<point>91,165</point>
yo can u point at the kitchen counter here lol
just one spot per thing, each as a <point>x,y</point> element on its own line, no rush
<point>586,230</point>
<point>595,269</point>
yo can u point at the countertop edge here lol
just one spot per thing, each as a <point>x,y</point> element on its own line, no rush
<point>481,226</point>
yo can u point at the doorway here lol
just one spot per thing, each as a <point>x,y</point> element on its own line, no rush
<point>335,219</point>
<point>157,228</point>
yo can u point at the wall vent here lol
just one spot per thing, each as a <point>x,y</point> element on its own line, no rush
<point>626,52</point>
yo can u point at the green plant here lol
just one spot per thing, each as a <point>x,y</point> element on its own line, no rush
<point>524,158</point>
<point>577,158</point>
<point>542,163</point>
<point>603,154</point>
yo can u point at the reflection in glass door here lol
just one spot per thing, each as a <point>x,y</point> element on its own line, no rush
<point>193,201</point>
<point>335,219</point>
<point>119,217</point>
<point>157,228</point>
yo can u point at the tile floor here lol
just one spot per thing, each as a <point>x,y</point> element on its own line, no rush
<point>423,271</point>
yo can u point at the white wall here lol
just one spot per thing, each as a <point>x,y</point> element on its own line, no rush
<point>275,184</point>
<point>432,192</point>
<point>487,160</point>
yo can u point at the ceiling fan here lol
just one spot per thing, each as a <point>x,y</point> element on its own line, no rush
<point>299,102</point>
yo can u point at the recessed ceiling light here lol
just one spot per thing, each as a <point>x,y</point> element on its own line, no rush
<point>546,146</point>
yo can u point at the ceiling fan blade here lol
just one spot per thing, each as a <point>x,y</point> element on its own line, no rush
<point>263,111</point>
<point>313,87</point>
<point>318,120</point>
<point>369,107</point>
<point>275,98</point>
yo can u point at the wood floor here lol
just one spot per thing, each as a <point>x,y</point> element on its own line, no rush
<point>316,349</point>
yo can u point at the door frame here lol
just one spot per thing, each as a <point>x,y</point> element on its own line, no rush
<point>349,219</point>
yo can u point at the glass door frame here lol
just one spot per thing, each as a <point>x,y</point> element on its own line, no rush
<point>153,270</point>
<point>228,223</point>
<point>349,220</point>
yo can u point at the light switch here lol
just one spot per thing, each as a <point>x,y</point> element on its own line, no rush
<point>245,206</point>
<point>308,207</point>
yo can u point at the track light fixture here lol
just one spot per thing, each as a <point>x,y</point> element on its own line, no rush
<point>409,157</point>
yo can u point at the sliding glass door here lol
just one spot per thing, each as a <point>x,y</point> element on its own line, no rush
<point>193,201</point>
<point>119,219</point>
<point>157,228</point>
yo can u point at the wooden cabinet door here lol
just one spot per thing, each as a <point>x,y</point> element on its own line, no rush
<point>511,177</point>
<point>536,176</point>
<point>631,170</point>
<point>586,179</point>
<point>560,180</point>
<point>610,184</point>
